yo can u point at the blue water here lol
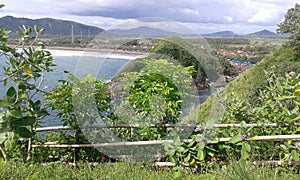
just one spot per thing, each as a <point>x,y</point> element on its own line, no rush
<point>102,68</point>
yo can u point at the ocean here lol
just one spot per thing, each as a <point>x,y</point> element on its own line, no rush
<point>78,63</point>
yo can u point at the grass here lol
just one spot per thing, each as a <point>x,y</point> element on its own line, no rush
<point>246,86</point>
<point>236,170</point>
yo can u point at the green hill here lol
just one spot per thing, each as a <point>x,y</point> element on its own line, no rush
<point>246,86</point>
<point>52,27</point>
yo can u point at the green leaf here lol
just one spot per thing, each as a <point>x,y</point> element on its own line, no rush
<point>235,139</point>
<point>3,137</point>
<point>201,145</point>
<point>201,155</point>
<point>187,158</point>
<point>297,92</point>
<point>37,105</point>
<point>26,121</point>
<point>5,103</point>
<point>285,98</point>
<point>295,155</point>
<point>14,114</point>
<point>11,93</point>
<point>12,141</point>
<point>4,82</point>
<point>243,124</point>
<point>212,141</point>
<point>176,175</point>
<point>42,113</point>
<point>24,132</point>
<point>21,93</point>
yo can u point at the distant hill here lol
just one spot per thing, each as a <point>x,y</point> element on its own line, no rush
<point>222,34</point>
<point>52,27</point>
<point>263,33</point>
<point>144,31</point>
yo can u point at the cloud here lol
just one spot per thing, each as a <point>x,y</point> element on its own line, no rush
<point>103,13</point>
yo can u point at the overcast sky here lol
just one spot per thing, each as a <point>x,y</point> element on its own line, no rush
<point>202,16</point>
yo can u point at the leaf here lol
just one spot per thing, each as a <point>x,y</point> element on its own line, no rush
<point>297,92</point>
<point>295,155</point>
<point>4,103</point>
<point>4,82</point>
<point>21,93</point>
<point>235,139</point>
<point>3,137</point>
<point>14,114</point>
<point>12,141</point>
<point>201,145</point>
<point>212,141</point>
<point>26,121</point>
<point>176,175</point>
<point>24,132</point>
<point>285,98</point>
<point>193,162</point>
<point>28,71</point>
<point>11,93</point>
<point>201,155</point>
<point>187,158</point>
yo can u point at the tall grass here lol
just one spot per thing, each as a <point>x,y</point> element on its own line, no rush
<point>235,170</point>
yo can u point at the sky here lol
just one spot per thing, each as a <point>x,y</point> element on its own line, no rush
<point>201,16</point>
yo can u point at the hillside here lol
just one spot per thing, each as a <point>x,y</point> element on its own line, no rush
<point>144,32</point>
<point>263,33</point>
<point>222,34</point>
<point>246,86</point>
<point>52,27</point>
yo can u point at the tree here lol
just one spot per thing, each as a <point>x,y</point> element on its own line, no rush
<point>187,54</point>
<point>291,25</point>
<point>158,94</point>
<point>23,73</point>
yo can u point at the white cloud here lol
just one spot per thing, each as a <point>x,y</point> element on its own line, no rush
<point>105,13</point>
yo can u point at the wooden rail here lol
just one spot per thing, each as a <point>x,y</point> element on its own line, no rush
<point>136,126</point>
<point>295,137</point>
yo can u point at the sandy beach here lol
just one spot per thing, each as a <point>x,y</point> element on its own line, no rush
<point>103,53</point>
<point>115,51</point>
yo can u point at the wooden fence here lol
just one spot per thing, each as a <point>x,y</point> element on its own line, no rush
<point>295,137</point>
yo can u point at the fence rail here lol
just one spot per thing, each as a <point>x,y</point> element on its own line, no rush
<point>295,137</point>
<point>136,126</point>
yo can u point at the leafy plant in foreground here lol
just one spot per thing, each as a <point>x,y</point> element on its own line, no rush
<point>23,73</point>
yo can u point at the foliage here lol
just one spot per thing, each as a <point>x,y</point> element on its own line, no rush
<point>42,155</point>
<point>187,54</point>
<point>23,72</point>
<point>279,103</point>
<point>155,95</point>
<point>73,94</point>
<point>281,61</point>
<point>291,25</point>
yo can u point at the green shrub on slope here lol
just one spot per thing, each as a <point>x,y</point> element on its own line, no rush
<point>246,86</point>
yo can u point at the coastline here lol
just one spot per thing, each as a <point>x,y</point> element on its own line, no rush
<point>99,53</point>
<point>113,51</point>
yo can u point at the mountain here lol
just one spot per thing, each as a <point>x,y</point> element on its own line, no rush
<point>222,34</point>
<point>144,31</point>
<point>263,33</point>
<point>52,27</point>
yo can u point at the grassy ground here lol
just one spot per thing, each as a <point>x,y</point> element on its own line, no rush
<point>235,170</point>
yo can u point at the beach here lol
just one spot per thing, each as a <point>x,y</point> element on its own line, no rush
<point>103,53</point>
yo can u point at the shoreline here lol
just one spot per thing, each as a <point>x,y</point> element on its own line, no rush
<point>111,51</point>
<point>97,53</point>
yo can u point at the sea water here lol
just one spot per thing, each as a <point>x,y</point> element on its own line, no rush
<point>103,66</point>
